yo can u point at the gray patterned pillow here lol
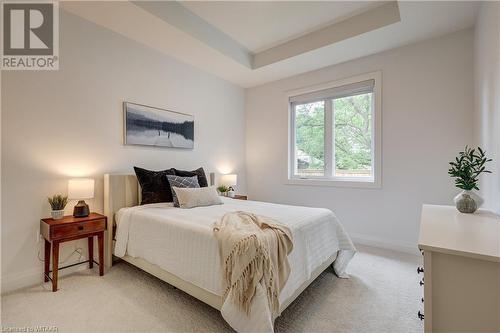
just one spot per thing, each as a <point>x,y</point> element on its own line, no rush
<point>182,182</point>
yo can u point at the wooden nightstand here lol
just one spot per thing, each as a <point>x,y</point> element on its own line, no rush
<point>240,197</point>
<point>67,229</point>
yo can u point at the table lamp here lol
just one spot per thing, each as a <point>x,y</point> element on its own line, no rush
<point>229,180</point>
<point>80,189</point>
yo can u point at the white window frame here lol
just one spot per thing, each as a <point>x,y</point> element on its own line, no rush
<point>372,182</point>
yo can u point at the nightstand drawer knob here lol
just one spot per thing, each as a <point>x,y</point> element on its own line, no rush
<point>420,270</point>
<point>80,227</point>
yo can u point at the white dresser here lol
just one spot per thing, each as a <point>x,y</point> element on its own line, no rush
<point>461,270</point>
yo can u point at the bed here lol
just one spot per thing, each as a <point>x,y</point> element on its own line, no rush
<point>177,245</point>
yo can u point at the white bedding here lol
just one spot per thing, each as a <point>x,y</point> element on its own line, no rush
<point>181,241</point>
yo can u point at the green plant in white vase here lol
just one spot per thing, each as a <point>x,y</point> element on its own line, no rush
<point>466,168</point>
<point>57,203</point>
<point>223,190</point>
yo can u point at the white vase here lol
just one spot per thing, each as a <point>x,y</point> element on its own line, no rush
<point>57,214</point>
<point>462,198</point>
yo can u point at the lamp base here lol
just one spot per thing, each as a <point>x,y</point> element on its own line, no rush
<point>81,209</point>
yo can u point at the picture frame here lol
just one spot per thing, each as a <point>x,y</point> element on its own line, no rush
<point>151,126</point>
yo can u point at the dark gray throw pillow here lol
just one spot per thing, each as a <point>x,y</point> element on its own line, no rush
<point>183,182</point>
<point>154,185</point>
<point>200,173</point>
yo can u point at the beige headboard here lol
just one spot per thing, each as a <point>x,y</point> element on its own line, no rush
<point>120,190</point>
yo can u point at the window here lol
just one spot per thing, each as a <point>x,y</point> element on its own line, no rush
<point>334,134</point>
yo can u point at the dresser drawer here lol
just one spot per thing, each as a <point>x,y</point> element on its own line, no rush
<point>75,229</point>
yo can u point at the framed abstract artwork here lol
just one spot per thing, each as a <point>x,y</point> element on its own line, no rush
<point>150,126</point>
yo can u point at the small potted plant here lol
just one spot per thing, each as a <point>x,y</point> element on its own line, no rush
<point>466,169</point>
<point>57,203</point>
<point>230,192</point>
<point>222,190</point>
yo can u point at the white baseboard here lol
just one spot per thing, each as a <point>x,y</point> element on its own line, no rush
<point>384,243</point>
<point>32,277</point>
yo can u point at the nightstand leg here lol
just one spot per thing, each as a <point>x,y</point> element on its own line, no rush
<point>100,239</point>
<point>91,252</point>
<point>55,264</point>
<point>46,261</point>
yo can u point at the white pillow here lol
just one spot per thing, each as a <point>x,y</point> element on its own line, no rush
<point>197,197</point>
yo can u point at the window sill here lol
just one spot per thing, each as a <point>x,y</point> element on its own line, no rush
<point>334,183</point>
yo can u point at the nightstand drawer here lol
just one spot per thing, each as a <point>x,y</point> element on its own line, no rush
<point>75,229</point>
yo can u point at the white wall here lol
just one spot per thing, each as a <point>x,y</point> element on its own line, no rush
<point>427,114</point>
<point>487,80</point>
<point>67,123</point>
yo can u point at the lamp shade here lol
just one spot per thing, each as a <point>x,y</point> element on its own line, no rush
<point>80,188</point>
<point>229,180</point>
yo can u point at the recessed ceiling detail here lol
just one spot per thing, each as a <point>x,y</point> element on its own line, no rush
<point>179,16</point>
<point>250,43</point>
<point>356,25</point>
<point>261,25</point>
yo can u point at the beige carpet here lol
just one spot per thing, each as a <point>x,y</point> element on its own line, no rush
<point>382,295</point>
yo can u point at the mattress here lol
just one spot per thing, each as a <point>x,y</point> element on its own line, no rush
<point>181,241</point>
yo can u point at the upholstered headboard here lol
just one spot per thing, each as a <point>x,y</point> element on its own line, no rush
<point>120,190</point>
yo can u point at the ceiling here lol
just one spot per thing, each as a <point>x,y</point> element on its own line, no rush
<point>226,38</point>
<point>259,25</point>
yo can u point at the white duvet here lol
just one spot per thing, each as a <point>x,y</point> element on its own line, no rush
<point>181,241</point>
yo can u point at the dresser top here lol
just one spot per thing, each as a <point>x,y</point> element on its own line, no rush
<point>446,230</point>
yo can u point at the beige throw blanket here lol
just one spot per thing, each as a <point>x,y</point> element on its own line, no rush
<point>253,250</point>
